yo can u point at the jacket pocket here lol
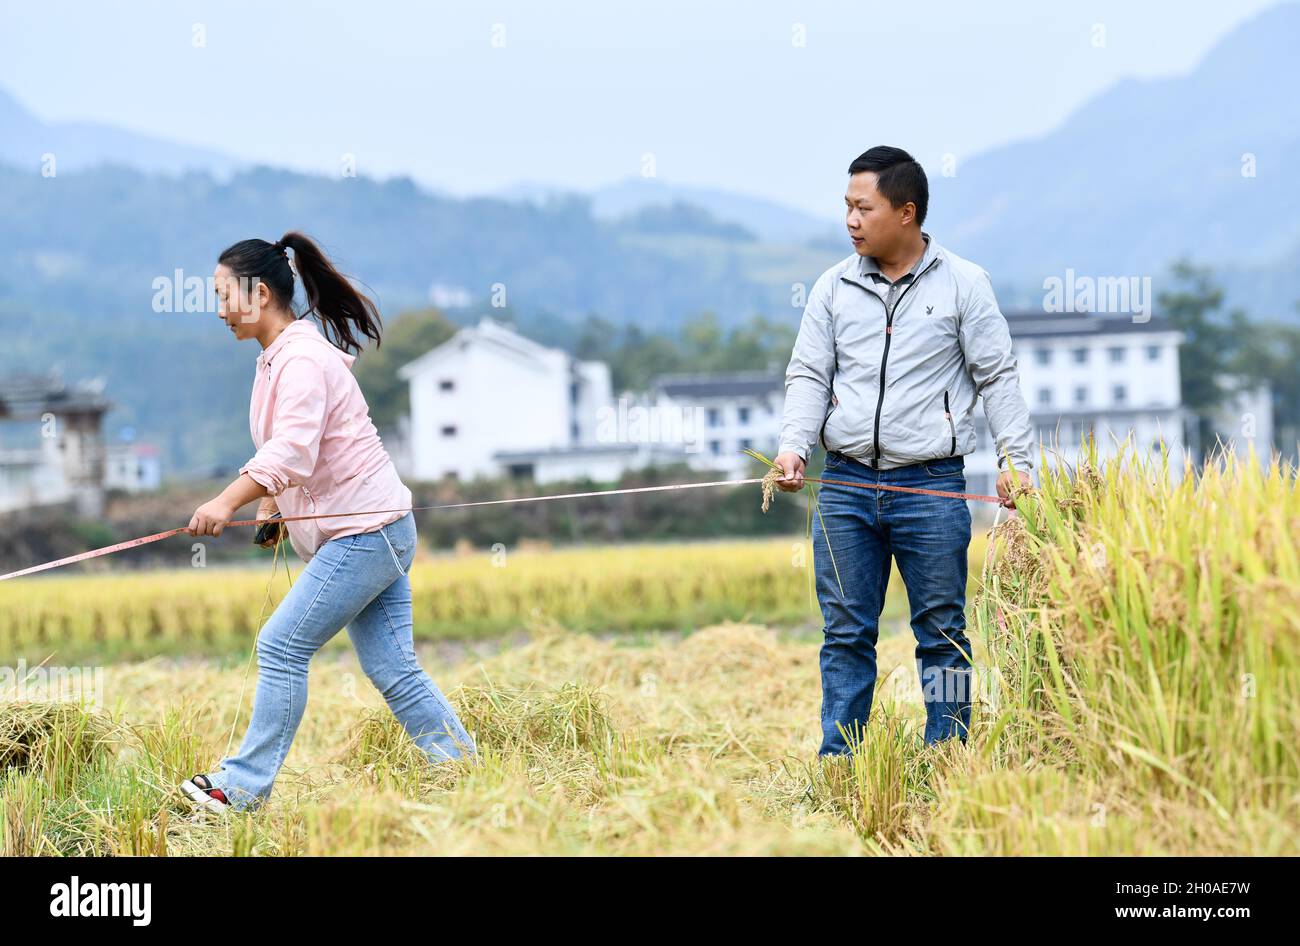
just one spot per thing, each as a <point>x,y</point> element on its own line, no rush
<point>952,428</point>
<point>821,435</point>
<point>316,535</point>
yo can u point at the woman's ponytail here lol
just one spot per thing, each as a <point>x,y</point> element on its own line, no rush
<point>331,296</point>
<point>329,293</point>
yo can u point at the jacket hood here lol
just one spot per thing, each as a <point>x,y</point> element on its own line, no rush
<point>306,330</point>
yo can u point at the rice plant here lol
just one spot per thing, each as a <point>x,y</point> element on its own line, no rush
<point>1136,645</point>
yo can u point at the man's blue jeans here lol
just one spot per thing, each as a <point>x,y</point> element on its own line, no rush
<point>928,536</point>
<point>359,581</point>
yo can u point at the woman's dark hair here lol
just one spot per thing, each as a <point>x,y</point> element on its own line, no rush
<point>329,293</point>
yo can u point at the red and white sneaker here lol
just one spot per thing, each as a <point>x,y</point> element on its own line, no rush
<point>202,795</point>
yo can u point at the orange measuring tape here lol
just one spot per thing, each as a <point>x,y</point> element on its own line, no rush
<point>159,536</point>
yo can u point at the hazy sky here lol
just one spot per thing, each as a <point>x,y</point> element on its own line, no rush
<point>717,92</point>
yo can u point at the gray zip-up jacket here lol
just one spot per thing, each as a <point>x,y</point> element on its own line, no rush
<point>895,388</point>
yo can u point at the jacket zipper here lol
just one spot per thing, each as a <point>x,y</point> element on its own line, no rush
<point>951,426</point>
<point>884,356</point>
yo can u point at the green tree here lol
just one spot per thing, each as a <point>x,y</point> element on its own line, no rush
<point>1208,347</point>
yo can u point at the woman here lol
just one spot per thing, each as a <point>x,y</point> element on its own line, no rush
<point>317,451</point>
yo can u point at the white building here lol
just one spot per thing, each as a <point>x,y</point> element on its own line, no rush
<point>51,443</point>
<point>133,467</point>
<point>724,415</point>
<point>1244,422</point>
<point>490,403</point>
<point>1107,375</point>
<point>488,392</point>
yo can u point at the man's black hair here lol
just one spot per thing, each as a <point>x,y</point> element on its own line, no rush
<point>899,177</point>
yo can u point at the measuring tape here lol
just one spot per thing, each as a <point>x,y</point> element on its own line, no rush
<point>159,536</point>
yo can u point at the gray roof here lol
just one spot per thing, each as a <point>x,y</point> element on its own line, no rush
<point>1080,324</point>
<point>731,384</point>
<point>576,450</point>
<point>25,395</point>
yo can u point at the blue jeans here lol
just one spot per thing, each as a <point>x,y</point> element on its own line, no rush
<point>359,581</point>
<point>928,537</point>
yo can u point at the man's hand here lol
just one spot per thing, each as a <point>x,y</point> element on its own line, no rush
<point>1007,485</point>
<point>792,465</point>
<point>211,517</point>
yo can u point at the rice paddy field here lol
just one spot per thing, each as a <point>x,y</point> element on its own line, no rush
<point>1137,648</point>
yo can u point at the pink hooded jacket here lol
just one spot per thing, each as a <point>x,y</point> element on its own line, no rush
<point>317,449</point>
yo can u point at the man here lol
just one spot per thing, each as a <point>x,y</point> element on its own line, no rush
<point>896,344</point>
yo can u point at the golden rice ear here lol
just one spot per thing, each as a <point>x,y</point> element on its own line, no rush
<point>769,486</point>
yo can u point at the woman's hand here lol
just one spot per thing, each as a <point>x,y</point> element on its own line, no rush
<point>211,517</point>
<point>265,510</point>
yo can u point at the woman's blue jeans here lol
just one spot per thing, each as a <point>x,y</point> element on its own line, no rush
<point>928,536</point>
<point>359,581</point>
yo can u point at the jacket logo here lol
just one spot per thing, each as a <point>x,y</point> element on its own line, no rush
<point>929,310</point>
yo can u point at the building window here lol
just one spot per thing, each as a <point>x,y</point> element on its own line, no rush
<point>1116,354</point>
<point>1044,395</point>
<point>1153,353</point>
<point>1081,395</point>
<point>449,430</point>
<point>715,417</point>
<point>1119,393</point>
<point>715,447</point>
<point>742,414</point>
<point>573,392</point>
<point>1043,356</point>
<point>1080,356</point>
<point>446,384</point>
<point>746,443</point>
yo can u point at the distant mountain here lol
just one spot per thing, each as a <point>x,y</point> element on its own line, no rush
<point>767,219</point>
<point>1146,172</point>
<point>1143,174</point>
<point>1269,291</point>
<point>76,146</point>
<point>82,253</point>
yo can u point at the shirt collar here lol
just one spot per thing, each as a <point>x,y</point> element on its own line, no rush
<point>869,267</point>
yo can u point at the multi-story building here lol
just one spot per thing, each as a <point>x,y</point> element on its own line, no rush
<point>727,414</point>
<point>491,403</point>
<point>52,446</point>
<point>1090,374</point>
<point>488,393</point>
